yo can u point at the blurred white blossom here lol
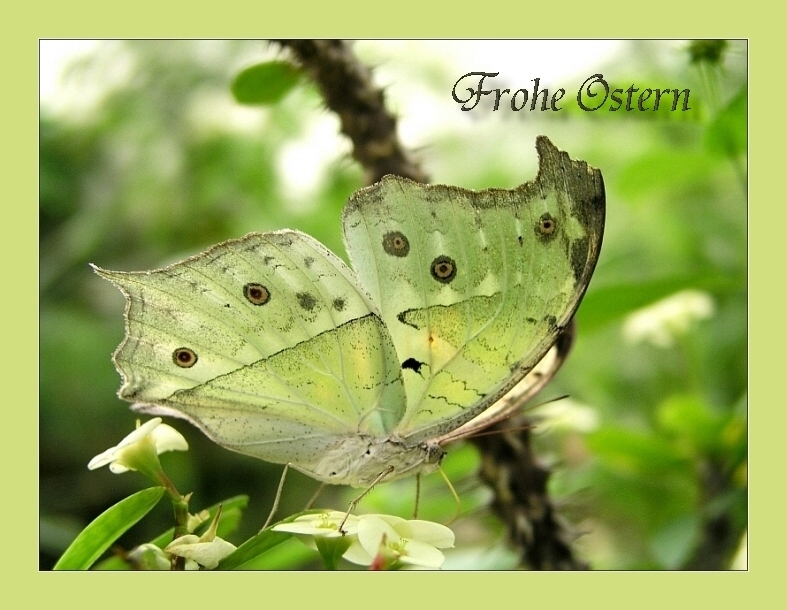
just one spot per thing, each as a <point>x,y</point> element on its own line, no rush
<point>151,438</point>
<point>566,414</point>
<point>662,322</point>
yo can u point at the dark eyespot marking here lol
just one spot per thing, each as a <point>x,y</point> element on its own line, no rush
<point>339,304</point>
<point>443,269</point>
<point>184,357</point>
<point>308,261</point>
<point>413,365</point>
<point>546,227</point>
<point>227,305</point>
<point>520,240</point>
<point>306,300</point>
<point>396,244</point>
<point>256,294</point>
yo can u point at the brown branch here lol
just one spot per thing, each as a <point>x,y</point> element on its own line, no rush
<point>347,87</point>
<point>535,529</point>
<point>721,532</point>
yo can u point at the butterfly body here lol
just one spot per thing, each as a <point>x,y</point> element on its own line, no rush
<point>359,460</point>
<point>275,348</point>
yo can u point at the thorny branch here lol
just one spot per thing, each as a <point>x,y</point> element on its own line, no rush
<point>347,87</point>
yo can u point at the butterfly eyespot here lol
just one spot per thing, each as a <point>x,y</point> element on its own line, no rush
<point>546,227</point>
<point>443,269</point>
<point>306,300</point>
<point>339,304</point>
<point>396,244</point>
<point>256,294</point>
<point>184,357</point>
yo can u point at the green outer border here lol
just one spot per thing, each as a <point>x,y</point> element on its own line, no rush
<point>411,19</point>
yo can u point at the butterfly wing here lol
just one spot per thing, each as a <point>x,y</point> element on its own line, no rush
<point>475,286</point>
<point>267,343</point>
<point>518,396</point>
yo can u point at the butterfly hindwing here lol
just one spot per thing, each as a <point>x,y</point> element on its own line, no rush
<point>267,343</point>
<point>475,286</point>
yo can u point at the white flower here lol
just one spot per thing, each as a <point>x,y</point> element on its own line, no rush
<point>663,321</point>
<point>322,525</point>
<point>413,543</point>
<point>152,436</point>
<point>149,557</point>
<point>207,550</point>
<point>205,553</point>
<point>194,521</point>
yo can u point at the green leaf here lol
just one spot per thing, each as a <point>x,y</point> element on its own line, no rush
<point>633,452</point>
<point>710,51</point>
<point>230,516</point>
<point>266,83</point>
<point>253,548</point>
<point>246,555</point>
<point>727,133</point>
<point>331,550</point>
<point>106,528</point>
<point>673,542</point>
<point>662,171</point>
<point>689,417</point>
<point>610,303</point>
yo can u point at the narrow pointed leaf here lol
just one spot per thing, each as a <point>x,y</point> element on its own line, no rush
<point>97,537</point>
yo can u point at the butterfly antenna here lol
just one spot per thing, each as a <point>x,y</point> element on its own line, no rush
<point>354,502</point>
<point>493,432</point>
<point>453,493</point>
<point>487,432</point>
<point>275,506</point>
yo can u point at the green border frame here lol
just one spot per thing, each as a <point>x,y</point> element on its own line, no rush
<point>89,19</point>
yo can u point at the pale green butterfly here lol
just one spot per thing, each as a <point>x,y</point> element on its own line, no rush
<point>275,348</point>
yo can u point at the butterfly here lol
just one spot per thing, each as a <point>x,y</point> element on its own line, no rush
<point>277,349</point>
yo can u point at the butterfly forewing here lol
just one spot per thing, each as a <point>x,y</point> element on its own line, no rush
<point>475,286</point>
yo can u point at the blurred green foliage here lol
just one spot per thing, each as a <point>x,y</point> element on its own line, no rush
<point>265,83</point>
<point>649,452</point>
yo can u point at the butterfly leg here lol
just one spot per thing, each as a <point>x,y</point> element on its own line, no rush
<point>360,496</point>
<point>417,494</point>
<point>315,496</point>
<point>275,506</point>
<point>453,493</point>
